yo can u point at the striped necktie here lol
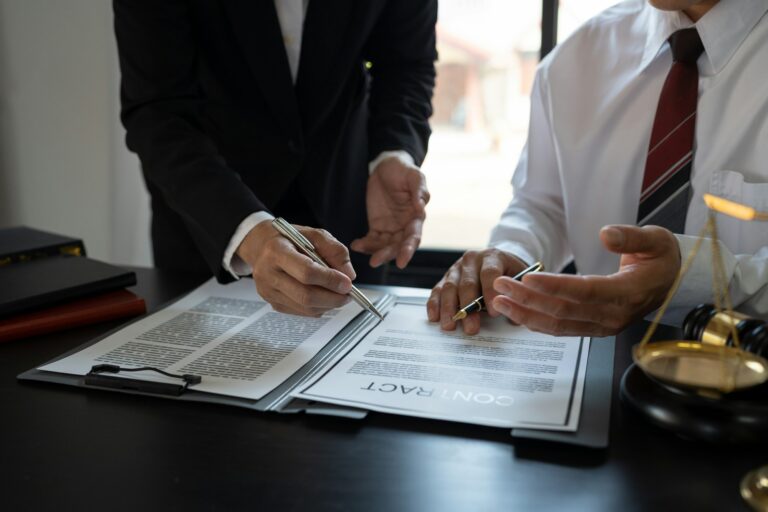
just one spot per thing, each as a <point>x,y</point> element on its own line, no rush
<point>666,182</point>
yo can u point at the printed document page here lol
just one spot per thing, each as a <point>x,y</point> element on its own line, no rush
<point>225,333</point>
<point>507,376</point>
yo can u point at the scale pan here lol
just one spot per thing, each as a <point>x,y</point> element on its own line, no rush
<point>701,366</point>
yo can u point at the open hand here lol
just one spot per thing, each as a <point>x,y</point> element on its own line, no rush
<point>395,198</point>
<point>597,305</point>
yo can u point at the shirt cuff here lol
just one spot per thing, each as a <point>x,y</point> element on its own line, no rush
<point>233,263</point>
<point>400,154</point>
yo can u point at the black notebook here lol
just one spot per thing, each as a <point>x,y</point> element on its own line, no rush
<point>48,281</point>
<point>22,244</point>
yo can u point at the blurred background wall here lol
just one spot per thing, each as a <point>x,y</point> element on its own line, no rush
<point>63,162</point>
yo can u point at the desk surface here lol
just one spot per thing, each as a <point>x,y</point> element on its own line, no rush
<point>63,448</point>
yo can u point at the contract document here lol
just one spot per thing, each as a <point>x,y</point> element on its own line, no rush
<point>346,361</point>
<point>227,335</point>
<point>507,376</point>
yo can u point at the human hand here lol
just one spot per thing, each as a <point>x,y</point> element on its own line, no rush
<point>396,198</point>
<point>289,280</point>
<point>471,276</point>
<point>562,304</point>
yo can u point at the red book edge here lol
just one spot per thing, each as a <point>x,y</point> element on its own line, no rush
<point>89,310</point>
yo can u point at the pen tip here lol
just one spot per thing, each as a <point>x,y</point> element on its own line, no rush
<point>461,315</point>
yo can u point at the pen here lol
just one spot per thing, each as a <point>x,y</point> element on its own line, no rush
<point>286,229</point>
<point>479,304</point>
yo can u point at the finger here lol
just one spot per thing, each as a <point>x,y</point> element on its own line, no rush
<point>306,271</point>
<point>471,324</point>
<point>449,299</point>
<point>331,250</point>
<point>310,297</point>
<point>406,251</point>
<point>366,245</point>
<point>469,288</point>
<point>359,245</point>
<point>267,287</point>
<point>606,314</point>
<point>584,289</point>
<point>490,269</point>
<point>540,322</point>
<point>433,303</point>
<point>383,255</point>
<point>279,288</point>
<point>649,240</point>
<point>282,308</point>
<point>410,243</point>
<point>372,242</point>
<point>417,184</point>
<point>282,303</point>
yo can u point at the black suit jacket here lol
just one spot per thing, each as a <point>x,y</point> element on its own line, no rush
<point>221,130</point>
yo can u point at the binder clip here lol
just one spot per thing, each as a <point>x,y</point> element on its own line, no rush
<point>97,378</point>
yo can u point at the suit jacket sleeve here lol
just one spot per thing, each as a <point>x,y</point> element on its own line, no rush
<point>160,100</point>
<point>402,52</point>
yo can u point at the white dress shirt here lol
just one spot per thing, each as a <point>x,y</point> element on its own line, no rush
<point>592,109</point>
<point>290,15</point>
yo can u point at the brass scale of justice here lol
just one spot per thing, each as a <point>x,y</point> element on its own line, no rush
<point>718,364</point>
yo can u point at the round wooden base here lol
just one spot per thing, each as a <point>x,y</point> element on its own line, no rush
<point>738,417</point>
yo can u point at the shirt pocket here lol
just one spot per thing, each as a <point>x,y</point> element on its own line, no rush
<point>741,236</point>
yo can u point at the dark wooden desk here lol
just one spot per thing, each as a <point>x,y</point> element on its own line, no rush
<point>72,450</point>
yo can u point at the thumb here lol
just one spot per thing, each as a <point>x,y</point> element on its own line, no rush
<point>624,239</point>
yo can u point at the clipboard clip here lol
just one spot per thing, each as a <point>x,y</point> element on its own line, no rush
<point>96,377</point>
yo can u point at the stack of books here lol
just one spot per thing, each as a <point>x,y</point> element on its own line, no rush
<point>48,284</point>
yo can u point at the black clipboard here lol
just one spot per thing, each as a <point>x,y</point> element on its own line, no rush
<point>594,419</point>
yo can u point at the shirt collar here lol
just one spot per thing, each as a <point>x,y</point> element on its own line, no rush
<point>722,29</point>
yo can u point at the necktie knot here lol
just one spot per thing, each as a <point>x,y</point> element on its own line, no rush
<point>686,46</point>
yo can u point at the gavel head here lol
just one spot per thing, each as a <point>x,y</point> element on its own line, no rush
<point>706,325</point>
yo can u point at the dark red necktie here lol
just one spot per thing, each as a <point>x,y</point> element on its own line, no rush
<point>666,182</point>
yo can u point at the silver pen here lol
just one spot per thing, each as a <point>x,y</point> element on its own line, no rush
<point>286,229</point>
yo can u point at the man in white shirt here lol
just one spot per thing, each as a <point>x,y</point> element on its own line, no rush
<point>585,176</point>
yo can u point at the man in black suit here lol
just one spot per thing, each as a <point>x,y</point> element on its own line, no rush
<point>234,120</point>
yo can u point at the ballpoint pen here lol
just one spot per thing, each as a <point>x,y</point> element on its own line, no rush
<point>286,229</point>
<point>479,304</point>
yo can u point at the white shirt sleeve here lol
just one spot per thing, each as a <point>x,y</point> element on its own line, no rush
<point>533,226</point>
<point>746,273</point>
<point>400,154</point>
<point>231,262</point>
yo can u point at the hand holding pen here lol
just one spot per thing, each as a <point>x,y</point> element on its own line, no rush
<point>469,278</point>
<point>479,303</point>
<point>308,248</point>
<point>288,279</point>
